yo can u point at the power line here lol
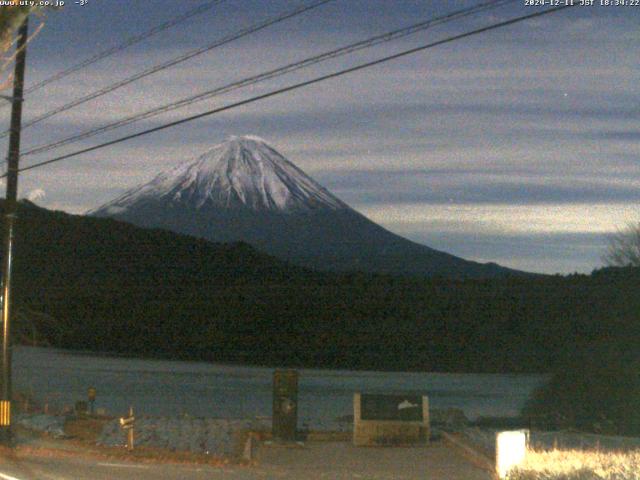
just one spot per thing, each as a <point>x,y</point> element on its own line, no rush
<point>127,43</point>
<point>297,86</point>
<point>182,58</point>
<point>376,40</point>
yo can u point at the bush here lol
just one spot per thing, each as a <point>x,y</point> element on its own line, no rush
<point>598,391</point>
<point>578,465</point>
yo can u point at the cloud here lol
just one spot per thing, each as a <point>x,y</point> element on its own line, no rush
<point>544,253</point>
<point>506,219</point>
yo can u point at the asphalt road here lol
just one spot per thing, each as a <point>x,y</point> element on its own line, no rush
<point>344,461</point>
<point>314,461</point>
<point>82,469</point>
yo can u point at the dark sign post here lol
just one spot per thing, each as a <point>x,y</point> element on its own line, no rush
<point>91,396</point>
<point>285,405</point>
<point>127,424</point>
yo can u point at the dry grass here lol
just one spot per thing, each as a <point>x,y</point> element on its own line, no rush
<point>82,446</point>
<point>86,429</point>
<point>579,465</point>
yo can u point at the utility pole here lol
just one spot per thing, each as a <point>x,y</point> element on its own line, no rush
<point>10,209</point>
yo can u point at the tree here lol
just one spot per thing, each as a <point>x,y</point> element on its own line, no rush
<point>598,390</point>
<point>11,17</point>
<point>624,247</point>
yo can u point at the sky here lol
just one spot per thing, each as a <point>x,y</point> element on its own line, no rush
<point>518,146</point>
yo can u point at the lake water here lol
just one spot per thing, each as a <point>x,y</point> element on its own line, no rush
<point>167,388</point>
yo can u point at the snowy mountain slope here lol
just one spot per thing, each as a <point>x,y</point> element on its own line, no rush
<point>243,172</point>
<point>244,190</point>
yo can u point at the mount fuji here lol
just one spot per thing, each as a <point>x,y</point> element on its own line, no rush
<point>244,190</point>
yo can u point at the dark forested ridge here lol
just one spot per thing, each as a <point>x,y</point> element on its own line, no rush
<point>97,284</point>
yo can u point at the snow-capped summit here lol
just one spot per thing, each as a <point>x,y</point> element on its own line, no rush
<point>242,172</point>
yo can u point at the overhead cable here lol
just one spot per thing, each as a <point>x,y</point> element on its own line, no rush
<point>292,67</point>
<point>175,61</point>
<point>122,46</point>
<point>297,86</point>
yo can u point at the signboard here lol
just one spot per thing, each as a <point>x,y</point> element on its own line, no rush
<point>401,408</point>
<point>391,419</point>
